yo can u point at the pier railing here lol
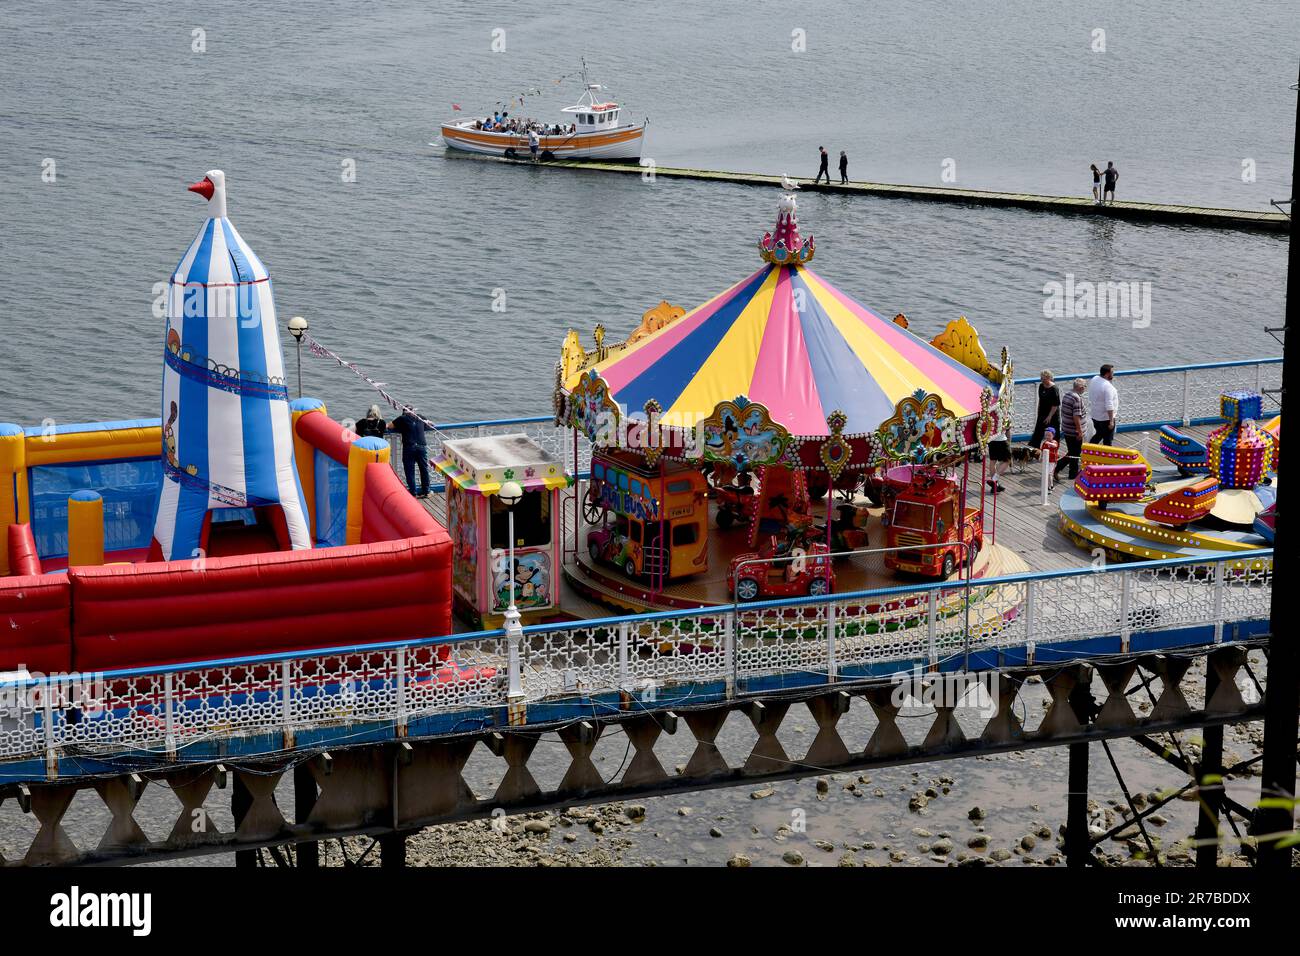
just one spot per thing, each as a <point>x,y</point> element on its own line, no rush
<point>1170,395</point>
<point>461,683</point>
<point>1149,398</point>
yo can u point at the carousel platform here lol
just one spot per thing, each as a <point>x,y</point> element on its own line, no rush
<point>590,590</point>
<point>607,585</point>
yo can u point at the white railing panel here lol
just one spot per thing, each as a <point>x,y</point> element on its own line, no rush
<point>168,711</point>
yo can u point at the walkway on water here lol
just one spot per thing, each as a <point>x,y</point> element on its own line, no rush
<point>1204,216</point>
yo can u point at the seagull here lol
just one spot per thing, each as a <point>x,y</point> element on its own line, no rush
<point>788,183</point>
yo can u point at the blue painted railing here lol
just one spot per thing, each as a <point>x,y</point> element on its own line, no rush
<point>559,670</point>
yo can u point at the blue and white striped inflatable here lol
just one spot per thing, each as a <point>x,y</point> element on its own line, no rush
<point>227,430</point>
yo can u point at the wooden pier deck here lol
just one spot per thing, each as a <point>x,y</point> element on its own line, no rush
<point>1204,216</point>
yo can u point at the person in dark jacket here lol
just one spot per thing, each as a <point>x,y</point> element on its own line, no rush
<point>415,450</point>
<point>824,169</point>
<point>373,425</point>
<point>844,168</point>
<point>1049,408</point>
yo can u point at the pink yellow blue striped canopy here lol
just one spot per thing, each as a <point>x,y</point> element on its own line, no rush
<point>787,338</point>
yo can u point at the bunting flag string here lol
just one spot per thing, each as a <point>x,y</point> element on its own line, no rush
<point>321,351</point>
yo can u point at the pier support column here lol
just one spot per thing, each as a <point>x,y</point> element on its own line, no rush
<point>304,799</point>
<point>1077,848</point>
<point>1209,778</point>
<point>241,800</point>
<point>392,850</point>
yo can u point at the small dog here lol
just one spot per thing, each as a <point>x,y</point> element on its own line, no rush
<point>1022,455</point>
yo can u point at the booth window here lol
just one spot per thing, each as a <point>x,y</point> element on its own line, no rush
<point>532,521</point>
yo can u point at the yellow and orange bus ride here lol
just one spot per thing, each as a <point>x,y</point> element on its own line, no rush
<point>660,513</point>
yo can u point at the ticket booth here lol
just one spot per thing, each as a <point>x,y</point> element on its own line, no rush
<point>478,522</point>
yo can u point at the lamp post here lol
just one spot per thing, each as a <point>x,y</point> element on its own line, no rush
<point>297,327</point>
<point>510,494</point>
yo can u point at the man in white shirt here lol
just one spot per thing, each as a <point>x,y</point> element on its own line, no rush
<point>1103,405</point>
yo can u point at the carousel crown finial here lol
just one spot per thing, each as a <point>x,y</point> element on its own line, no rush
<point>783,246</point>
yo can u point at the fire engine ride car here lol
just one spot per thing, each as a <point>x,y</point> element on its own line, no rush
<point>920,517</point>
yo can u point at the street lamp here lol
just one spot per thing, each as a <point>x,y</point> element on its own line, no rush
<point>510,494</point>
<point>297,328</point>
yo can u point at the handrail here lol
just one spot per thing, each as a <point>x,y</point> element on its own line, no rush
<point>922,587</point>
<point>494,677</point>
<point>1159,369</point>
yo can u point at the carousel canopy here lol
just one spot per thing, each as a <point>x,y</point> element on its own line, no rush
<point>788,339</point>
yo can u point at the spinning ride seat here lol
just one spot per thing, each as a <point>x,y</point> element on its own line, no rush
<point>1184,505</point>
<point>1099,484</point>
<point>1266,523</point>
<point>1190,455</point>
<point>1111,474</point>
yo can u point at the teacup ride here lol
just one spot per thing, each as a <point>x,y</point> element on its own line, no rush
<point>1214,496</point>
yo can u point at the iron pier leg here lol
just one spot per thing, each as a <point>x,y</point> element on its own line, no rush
<point>1077,849</point>
<point>304,799</point>
<point>1211,794</point>
<point>240,801</point>
<point>392,850</point>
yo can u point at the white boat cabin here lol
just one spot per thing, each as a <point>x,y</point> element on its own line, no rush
<point>590,116</point>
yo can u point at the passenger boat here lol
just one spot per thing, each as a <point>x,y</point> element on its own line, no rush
<point>594,131</point>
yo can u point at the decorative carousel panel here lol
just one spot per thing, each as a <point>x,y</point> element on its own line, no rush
<point>922,429</point>
<point>742,433</point>
<point>591,410</point>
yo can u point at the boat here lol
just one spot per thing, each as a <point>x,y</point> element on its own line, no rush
<point>594,131</point>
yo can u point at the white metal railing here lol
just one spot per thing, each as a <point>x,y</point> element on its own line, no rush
<point>1170,395</point>
<point>729,649</point>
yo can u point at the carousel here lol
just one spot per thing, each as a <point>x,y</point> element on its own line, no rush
<point>779,440</point>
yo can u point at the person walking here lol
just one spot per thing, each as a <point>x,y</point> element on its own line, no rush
<point>1049,407</point>
<point>415,451</point>
<point>1103,405</point>
<point>824,169</point>
<point>1072,429</point>
<point>844,168</point>
<point>1096,183</point>
<point>1112,176</point>
<point>373,425</point>
<point>1000,456</point>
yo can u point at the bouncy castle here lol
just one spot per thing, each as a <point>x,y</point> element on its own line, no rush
<point>239,523</point>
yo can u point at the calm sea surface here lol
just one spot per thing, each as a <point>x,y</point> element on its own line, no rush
<point>397,270</point>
